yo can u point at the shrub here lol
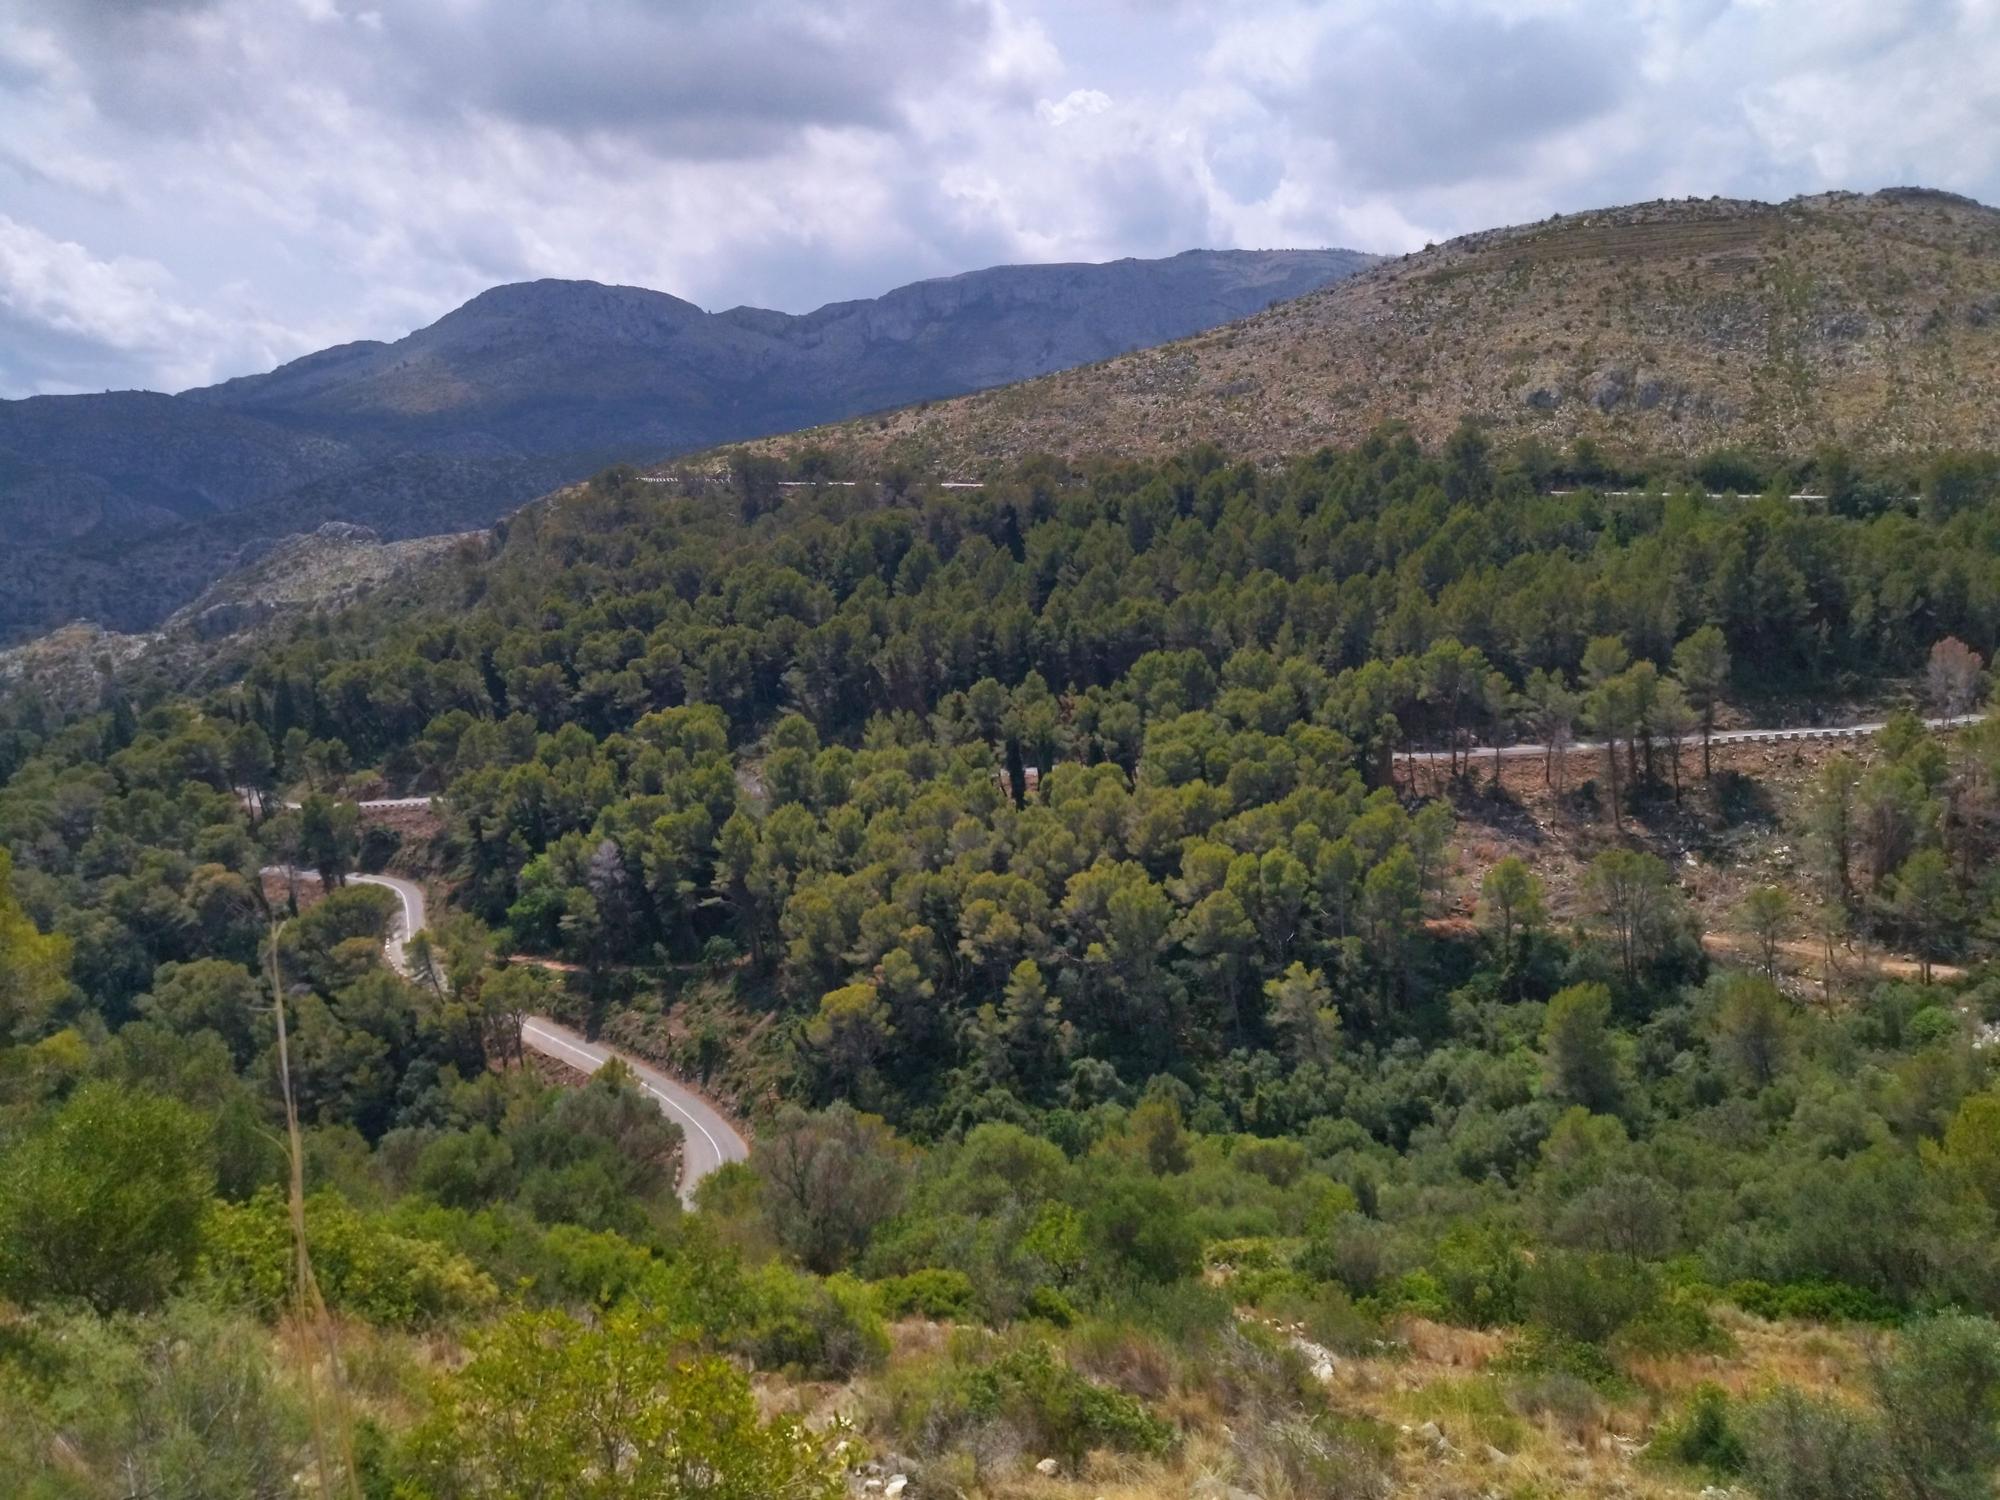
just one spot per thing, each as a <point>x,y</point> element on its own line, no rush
<point>931,1293</point>
<point>1815,1301</point>
<point>1321,1454</point>
<point>104,1201</point>
<point>1799,1448</point>
<point>379,843</point>
<point>1586,1299</point>
<point>1258,1253</point>
<point>363,1267</point>
<point>1330,1317</point>
<point>530,1414</point>
<point>1050,1306</point>
<point>826,1329</point>
<point>1355,1251</point>
<point>1568,1401</point>
<point>1480,1274</point>
<point>1704,1436</point>
<point>1940,1393</point>
<point>1139,1228</point>
<point>1540,1351</point>
<point>1068,1414</point>
<point>1677,1324</point>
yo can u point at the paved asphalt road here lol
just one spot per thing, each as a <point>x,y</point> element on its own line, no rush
<point>1720,737</point>
<point>1507,752</point>
<point>707,1139</point>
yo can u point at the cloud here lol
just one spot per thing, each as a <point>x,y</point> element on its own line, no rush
<point>729,78</point>
<point>196,188</point>
<point>1422,93</point>
<point>70,309</point>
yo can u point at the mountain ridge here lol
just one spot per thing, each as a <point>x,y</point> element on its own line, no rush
<point>120,507</point>
<point>1870,320</point>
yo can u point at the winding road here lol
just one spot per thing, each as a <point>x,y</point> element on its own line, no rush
<point>1720,737</point>
<point>707,1137</point>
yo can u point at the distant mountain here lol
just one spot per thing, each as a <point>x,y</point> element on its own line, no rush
<point>1869,320</point>
<point>121,507</point>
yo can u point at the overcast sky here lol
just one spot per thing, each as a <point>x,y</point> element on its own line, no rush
<point>192,189</point>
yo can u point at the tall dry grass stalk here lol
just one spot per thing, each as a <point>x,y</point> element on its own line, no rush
<point>312,1328</point>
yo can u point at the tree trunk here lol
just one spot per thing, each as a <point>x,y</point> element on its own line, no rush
<point>1611,759</point>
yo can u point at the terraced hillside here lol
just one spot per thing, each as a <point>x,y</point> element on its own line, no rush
<point>1870,320</point>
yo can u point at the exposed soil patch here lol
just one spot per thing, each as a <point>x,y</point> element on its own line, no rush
<point>1724,836</point>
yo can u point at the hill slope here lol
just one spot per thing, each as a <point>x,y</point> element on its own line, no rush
<point>1872,320</point>
<point>120,507</point>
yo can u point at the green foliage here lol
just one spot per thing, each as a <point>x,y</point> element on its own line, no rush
<point>1814,1301</point>
<point>824,1328</point>
<point>1177,991</point>
<point>104,1200</point>
<point>934,1292</point>
<point>1028,1386</point>
<point>829,1180</point>
<point>364,1268</point>
<point>1934,1433</point>
<point>546,1399</point>
<point>1704,1435</point>
<point>32,964</point>
<point>1582,1065</point>
<point>1137,1225</point>
<point>1802,1448</point>
<point>1542,1352</point>
<point>184,1403</point>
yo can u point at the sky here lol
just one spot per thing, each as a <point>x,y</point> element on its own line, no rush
<point>194,189</point>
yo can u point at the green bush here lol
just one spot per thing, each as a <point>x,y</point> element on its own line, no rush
<point>1050,1306</point>
<point>1139,1230</point>
<point>363,1267</point>
<point>1677,1324</point>
<point>1330,1317</point>
<point>1480,1273</point>
<point>1257,1253</point>
<point>1704,1436</point>
<point>1540,1351</point>
<point>933,1292</point>
<point>1799,1448</point>
<point>825,1328</point>
<point>1585,1299</point>
<point>1353,1250</point>
<point>1027,1387</point>
<point>1814,1301</point>
<point>104,1201</point>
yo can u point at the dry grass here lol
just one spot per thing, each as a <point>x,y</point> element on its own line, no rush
<point>1670,326</point>
<point>1717,859</point>
<point>1520,1436</point>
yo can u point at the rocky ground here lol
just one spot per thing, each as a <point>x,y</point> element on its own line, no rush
<point>1678,325</point>
<point>321,571</point>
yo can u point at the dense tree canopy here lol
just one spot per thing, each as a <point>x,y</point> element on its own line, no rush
<point>1042,866</point>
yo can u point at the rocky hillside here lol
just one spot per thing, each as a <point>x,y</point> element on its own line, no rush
<point>120,507</point>
<point>322,571</point>
<point>1872,320</point>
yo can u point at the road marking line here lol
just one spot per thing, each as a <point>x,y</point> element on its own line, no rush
<point>598,1062</point>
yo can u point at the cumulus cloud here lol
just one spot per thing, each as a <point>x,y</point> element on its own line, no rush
<point>195,188</point>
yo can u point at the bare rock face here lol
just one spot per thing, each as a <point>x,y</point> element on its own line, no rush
<point>219,620</point>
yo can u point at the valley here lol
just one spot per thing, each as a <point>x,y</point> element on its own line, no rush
<point>1446,962</point>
